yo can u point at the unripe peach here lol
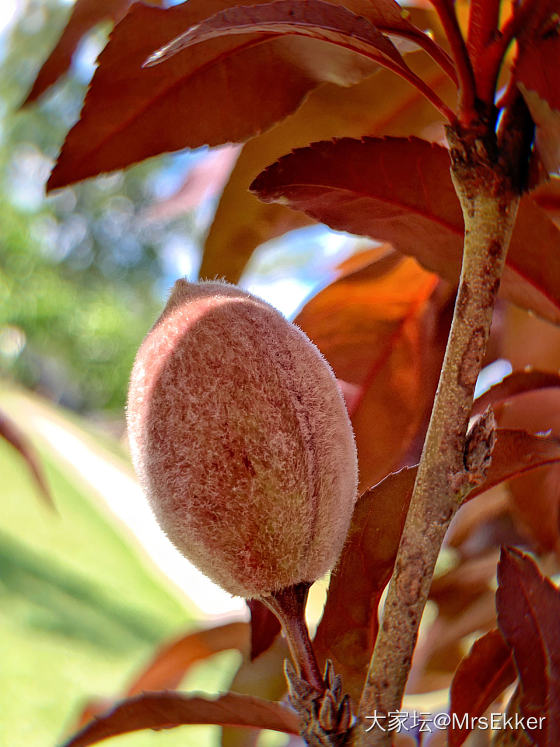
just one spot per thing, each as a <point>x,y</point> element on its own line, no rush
<point>241,440</point>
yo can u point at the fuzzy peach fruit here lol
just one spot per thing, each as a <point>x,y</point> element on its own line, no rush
<point>241,440</point>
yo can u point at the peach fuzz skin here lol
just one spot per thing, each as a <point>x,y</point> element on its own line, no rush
<point>241,440</point>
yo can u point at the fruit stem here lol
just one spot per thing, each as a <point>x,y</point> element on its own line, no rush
<point>289,607</point>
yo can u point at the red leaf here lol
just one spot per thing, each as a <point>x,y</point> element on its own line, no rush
<point>528,607</point>
<point>481,676</point>
<point>172,662</point>
<point>382,327</point>
<point>547,197</point>
<point>369,554</point>
<point>358,581</point>
<point>534,499</point>
<point>132,113</point>
<point>312,18</point>
<point>515,453</point>
<point>519,382</point>
<point>534,505</point>
<point>547,120</point>
<point>264,627</point>
<point>483,27</point>
<point>204,180</point>
<point>243,222</point>
<point>167,710</point>
<point>86,14</point>
<point>315,19</point>
<point>400,191</point>
<point>536,75</point>
<point>10,432</point>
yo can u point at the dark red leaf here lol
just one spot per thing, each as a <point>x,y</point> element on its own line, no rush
<point>547,120</point>
<point>483,25</point>
<point>10,432</point>
<point>85,15</point>
<point>474,529</point>
<point>400,191</point>
<point>167,710</point>
<point>131,113</point>
<point>367,560</point>
<point>540,348</point>
<point>528,607</point>
<point>534,498</point>
<point>515,453</point>
<point>534,503</point>
<point>264,627</point>
<point>519,382</point>
<point>482,675</point>
<point>312,18</point>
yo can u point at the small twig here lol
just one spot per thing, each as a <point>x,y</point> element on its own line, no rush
<point>437,53</point>
<point>446,13</point>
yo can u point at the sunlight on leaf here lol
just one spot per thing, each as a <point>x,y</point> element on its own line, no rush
<point>370,187</point>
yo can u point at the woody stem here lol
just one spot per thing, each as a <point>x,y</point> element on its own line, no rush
<point>489,202</point>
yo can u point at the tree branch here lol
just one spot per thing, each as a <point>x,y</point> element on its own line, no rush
<point>446,474</point>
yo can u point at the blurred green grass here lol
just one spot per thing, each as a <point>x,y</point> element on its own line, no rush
<point>81,610</point>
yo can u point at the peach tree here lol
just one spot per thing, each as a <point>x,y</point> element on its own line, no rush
<point>433,130</point>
